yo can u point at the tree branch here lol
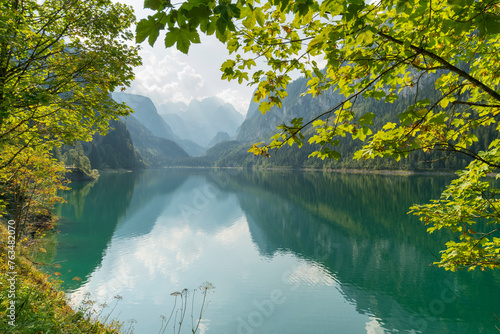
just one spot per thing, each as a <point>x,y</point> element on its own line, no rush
<point>446,65</point>
<point>353,96</point>
<point>477,104</point>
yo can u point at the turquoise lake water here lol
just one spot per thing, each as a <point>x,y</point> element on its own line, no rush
<point>287,252</point>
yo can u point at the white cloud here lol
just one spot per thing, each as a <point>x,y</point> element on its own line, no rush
<point>168,75</point>
<point>166,79</point>
<point>237,100</point>
<point>373,326</point>
<point>310,274</point>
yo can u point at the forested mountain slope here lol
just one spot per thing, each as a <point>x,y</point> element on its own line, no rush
<point>129,144</point>
<point>155,151</point>
<point>259,128</point>
<point>115,150</point>
<point>147,114</point>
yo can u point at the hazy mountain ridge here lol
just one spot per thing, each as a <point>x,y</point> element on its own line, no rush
<point>187,124</point>
<point>201,121</point>
<point>155,151</point>
<point>143,139</point>
<point>260,128</point>
<point>146,113</point>
<point>219,137</point>
<point>216,125</point>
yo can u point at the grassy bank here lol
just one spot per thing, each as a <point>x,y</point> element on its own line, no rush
<point>32,302</point>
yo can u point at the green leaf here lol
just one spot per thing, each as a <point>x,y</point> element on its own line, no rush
<point>492,24</point>
<point>366,119</point>
<point>260,17</point>
<point>183,41</point>
<point>146,28</point>
<point>264,107</point>
<point>183,37</point>
<point>444,102</point>
<point>194,37</point>
<point>365,37</point>
<point>221,26</point>
<point>297,122</point>
<point>156,4</point>
<point>438,119</point>
<point>171,37</point>
<point>353,9</point>
<point>391,98</point>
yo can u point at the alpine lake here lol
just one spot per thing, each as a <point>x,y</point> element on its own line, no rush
<point>271,251</point>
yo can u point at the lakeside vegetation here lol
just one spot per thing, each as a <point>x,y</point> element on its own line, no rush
<point>59,62</point>
<point>41,306</point>
<point>392,103</point>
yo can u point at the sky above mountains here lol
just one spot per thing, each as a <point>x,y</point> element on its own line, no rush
<point>168,75</point>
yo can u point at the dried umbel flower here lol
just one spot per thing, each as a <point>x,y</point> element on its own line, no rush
<point>207,286</point>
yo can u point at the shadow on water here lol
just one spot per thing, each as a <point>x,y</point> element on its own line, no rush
<point>356,227</point>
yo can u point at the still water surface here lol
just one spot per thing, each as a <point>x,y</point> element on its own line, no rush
<point>288,252</point>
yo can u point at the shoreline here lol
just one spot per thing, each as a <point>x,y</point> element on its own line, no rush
<point>384,171</point>
<point>398,172</point>
<point>328,170</point>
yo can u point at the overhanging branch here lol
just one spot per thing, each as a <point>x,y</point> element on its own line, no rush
<point>446,65</point>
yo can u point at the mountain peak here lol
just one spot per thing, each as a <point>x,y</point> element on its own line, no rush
<point>146,113</point>
<point>212,101</point>
<point>202,119</point>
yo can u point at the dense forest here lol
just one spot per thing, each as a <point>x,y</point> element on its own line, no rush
<point>258,127</point>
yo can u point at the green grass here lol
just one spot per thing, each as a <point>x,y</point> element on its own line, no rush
<point>40,304</point>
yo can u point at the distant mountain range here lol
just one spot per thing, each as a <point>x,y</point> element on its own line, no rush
<point>145,112</point>
<point>144,139</point>
<point>194,128</point>
<point>201,121</point>
<point>259,128</point>
<point>211,132</point>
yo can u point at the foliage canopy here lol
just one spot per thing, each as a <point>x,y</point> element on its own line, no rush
<point>371,50</point>
<point>59,62</point>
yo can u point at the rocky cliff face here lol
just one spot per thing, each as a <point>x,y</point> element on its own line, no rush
<point>146,113</point>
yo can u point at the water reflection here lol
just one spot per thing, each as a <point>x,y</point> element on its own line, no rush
<point>356,227</point>
<point>288,252</point>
